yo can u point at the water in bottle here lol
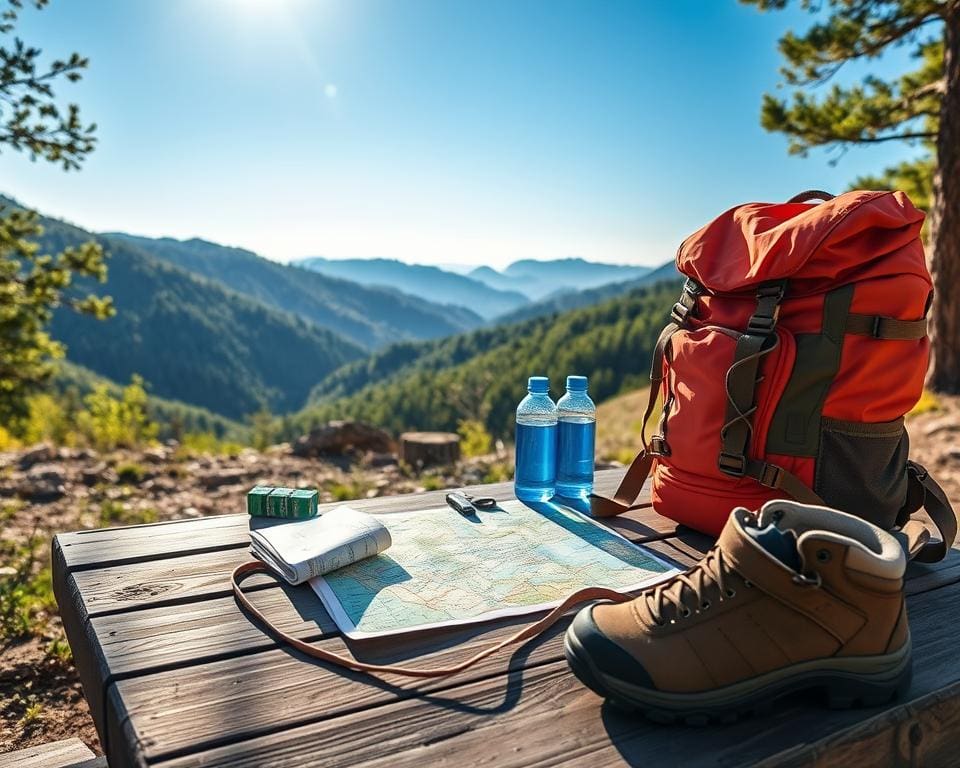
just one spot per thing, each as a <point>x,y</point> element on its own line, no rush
<point>536,459</point>
<point>577,416</point>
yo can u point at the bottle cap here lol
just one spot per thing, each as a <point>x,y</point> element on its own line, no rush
<point>577,383</point>
<point>538,385</point>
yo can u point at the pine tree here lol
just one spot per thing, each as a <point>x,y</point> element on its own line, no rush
<point>32,284</point>
<point>922,107</point>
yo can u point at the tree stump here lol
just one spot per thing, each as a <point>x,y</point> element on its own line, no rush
<point>423,449</point>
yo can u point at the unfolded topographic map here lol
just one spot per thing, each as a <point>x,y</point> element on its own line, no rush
<point>445,569</point>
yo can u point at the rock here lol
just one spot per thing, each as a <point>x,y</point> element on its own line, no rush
<point>223,477</point>
<point>424,449</point>
<point>379,460</point>
<point>337,438</point>
<point>97,473</point>
<point>36,454</point>
<point>154,454</point>
<point>944,424</point>
<point>43,482</point>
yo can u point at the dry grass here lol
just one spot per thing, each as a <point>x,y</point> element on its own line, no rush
<point>619,423</point>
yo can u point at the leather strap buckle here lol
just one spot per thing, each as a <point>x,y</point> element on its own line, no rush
<point>734,464</point>
<point>658,446</point>
<point>770,475</point>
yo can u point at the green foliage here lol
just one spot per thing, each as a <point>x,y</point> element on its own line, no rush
<point>193,339</point>
<point>174,419</point>
<point>30,119</point>
<point>913,177</point>
<point>474,438</point>
<point>114,512</point>
<point>26,589</point>
<point>200,443</point>
<point>481,375</point>
<point>130,472</point>
<point>32,283</point>
<point>109,423</point>
<point>873,110</point>
<point>355,487</point>
<point>48,419</point>
<point>31,287</point>
<point>263,429</point>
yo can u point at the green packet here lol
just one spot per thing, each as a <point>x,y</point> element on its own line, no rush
<point>265,501</point>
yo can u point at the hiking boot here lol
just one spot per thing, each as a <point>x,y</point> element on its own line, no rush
<point>797,597</point>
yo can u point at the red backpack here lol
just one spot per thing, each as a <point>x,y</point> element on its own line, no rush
<point>797,345</point>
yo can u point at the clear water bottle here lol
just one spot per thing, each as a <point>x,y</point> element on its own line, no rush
<point>577,416</point>
<point>536,460</point>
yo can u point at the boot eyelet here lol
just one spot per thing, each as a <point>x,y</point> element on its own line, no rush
<point>705,605</point>
<point>811,579</point>
<point>748,584</point>
<point>823,555</point>
<point>731,593</point>
<point>685,614</point>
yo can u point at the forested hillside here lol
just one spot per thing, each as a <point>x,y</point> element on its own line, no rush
<point>73,382</point>
<point>482,375</point>
<point>192,339</point>
<point>367,315</point>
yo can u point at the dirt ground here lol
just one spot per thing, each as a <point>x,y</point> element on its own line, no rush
<point>41,698</point>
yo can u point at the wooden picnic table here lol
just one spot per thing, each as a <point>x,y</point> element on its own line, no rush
<point>176,675</point>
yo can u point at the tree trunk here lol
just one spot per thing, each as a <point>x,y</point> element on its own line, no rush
<point>424,449</point>
<point>945,222</point>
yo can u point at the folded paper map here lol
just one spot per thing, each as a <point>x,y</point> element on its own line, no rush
<point>444,569</point>
<point>307,548</point>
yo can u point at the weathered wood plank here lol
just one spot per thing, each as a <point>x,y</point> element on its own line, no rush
<point>56,754</point>
<point>140,543</point>
<point>180,580</point>
<point>542,716</point>
<point>234,684</point>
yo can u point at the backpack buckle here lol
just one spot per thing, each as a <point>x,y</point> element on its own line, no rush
<point>658,446</point>
<point>770,476</point>
<point>763,325</point>
<point>732,464</point>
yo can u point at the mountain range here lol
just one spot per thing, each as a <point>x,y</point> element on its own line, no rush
<point>430,283</point>
<point>221,328</point>
<point>540,279</point>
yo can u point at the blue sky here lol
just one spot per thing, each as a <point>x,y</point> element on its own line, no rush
<point>433,132</point>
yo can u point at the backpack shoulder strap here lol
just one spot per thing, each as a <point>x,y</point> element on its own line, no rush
<point>923,491</point>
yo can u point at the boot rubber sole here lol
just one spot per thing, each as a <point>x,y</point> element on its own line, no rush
<point>845,682</point>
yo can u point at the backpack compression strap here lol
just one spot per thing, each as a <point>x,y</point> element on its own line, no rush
<point>924,491</point>
<point>542,625</point>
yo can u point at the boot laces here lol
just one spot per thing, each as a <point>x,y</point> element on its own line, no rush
<point>689,589</point>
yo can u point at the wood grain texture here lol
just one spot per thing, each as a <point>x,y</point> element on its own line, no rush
<point>56,754</point>
<point>541,716</point>
<point>177,676</point>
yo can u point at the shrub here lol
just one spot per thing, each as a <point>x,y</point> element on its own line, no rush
<point>197,443</point>
<point>130,473</point>
<point>475,440</point>
<point>109,423</point>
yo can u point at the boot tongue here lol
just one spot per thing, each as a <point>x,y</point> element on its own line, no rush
<point>781,545</point>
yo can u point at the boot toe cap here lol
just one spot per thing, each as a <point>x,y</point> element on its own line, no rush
<point>589,646</point>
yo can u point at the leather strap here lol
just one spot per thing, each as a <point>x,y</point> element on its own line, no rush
<point>538,627</point>
<point>625,497</point>
<point>923,491</point>
<point>880,327</point>
<point>778,478</point>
